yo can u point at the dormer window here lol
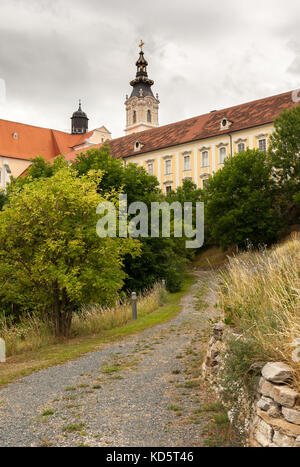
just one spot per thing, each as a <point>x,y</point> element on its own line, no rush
<point>138,146</point>
<point>225,124</point>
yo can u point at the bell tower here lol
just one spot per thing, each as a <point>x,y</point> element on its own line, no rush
<point>79,121</point>
<point>141,107</point>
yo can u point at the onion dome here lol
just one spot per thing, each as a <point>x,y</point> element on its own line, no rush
<point>79,121</point>
<point>141,84</point>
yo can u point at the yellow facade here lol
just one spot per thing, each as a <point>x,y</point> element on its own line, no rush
<point>11,167</point>
<point>205,156</point>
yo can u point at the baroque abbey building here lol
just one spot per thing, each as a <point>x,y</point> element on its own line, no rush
<point>191,149</point>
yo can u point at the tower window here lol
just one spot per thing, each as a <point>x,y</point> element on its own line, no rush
<point>134,116</point>
<point>149,116</point>
<point>222,155</point>
<point>205,162</point>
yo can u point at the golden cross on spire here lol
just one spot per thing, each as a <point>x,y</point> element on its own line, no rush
<point>141,45</point>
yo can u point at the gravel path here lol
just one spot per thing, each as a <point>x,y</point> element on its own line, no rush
<point>139,392</point>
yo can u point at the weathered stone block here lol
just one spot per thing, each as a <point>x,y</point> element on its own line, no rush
<point>283,440</point>
<point>265,388</point>
<point>215,350</point>
<point>264,433</point>
<point>291,415</point>
<point>266,403</point>
<point>280,424</point>
<point>297,442</point>
<point>277,372</point>
<point>285,395</point>
<point>274,412</point>
<point>219,330</point>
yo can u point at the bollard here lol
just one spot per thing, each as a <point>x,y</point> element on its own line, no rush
<point>134,306</point>
<point>2,351</point>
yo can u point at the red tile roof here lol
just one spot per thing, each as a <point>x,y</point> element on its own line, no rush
<point>32,141</point>
<point>251,114</point>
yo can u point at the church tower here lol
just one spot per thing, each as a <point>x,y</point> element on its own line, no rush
<point>141,106</point>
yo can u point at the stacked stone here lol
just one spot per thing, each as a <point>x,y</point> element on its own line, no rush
<point>277,413</point>
<point>213,355</point>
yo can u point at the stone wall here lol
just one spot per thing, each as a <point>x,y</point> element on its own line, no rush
<point>275,415</point>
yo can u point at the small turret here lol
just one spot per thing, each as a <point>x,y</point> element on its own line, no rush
<point>79,121</point>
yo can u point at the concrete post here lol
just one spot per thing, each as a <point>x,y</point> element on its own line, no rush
<point>134,305</point>
<point>2,351</point>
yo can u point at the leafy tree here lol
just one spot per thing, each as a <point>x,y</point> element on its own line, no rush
<point>133,180</point>
<point>161,258</point>
<point>188,192</point>
<point>3,199</point>
<point>240,203</point>
<point>39,168</point>
<point>51,258</point>
<point>284,154</point>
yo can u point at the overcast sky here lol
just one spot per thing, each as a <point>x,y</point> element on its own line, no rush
<point>203,55</point>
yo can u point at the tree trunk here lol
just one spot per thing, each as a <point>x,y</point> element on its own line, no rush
<point>62,313</point>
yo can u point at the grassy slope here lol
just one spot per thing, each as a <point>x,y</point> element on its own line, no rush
<point>24,364</point>
<point>211,258</point>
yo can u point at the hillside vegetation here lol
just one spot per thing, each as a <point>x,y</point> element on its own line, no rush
<point>260,296</point>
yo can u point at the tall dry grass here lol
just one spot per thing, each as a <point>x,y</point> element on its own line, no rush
<point>260,295</point>
<point>94,319</point>
<point>32,333</point>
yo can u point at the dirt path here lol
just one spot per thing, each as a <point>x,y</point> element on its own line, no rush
<point>140,392</point>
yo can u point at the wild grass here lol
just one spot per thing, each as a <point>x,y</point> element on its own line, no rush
<point>94,319</point>
<point>33,333</point>
<point>259,294</point>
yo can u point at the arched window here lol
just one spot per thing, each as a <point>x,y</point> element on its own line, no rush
<point>134,116</point>
<point>149,116</point>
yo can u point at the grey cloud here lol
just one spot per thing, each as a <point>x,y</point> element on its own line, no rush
<point>202,55</point>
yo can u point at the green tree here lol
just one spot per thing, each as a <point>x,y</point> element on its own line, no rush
<point>284,154</point>
<point>3,199</point>
<point>133,180</point>
<point>240,202</point>
<point>161,258</point>
<point>51,258</point>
